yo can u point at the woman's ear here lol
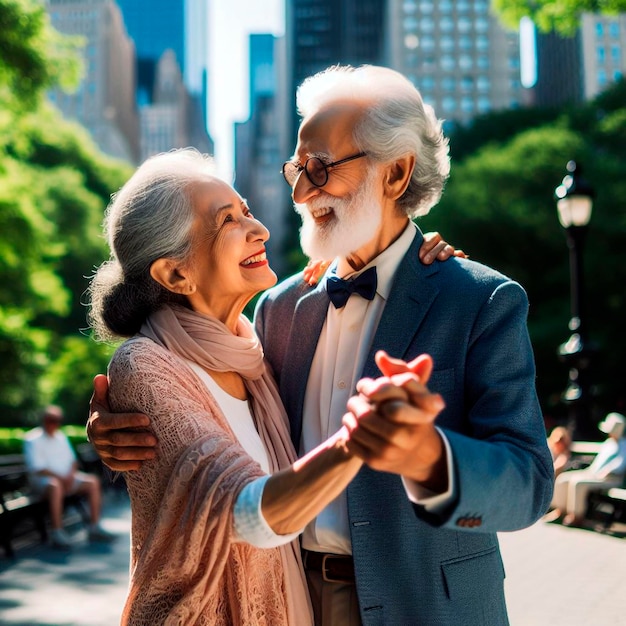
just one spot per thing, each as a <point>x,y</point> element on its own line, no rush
<point>398,176</point>
<point>171,275</point>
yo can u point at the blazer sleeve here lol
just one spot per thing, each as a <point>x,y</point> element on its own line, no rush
<point>503,468</point>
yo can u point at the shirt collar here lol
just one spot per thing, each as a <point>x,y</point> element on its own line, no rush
<point>386,262</point>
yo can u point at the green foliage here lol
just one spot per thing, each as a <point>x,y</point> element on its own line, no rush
<point>562,16</point>
<point>54,187</point>
<point>35,56</point>
<point>11,439</point>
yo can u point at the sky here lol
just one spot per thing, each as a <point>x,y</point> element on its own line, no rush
<point>230,23</point>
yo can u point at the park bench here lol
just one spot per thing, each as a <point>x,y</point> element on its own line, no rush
<point>607,506</point>
<point>604,505</point>
<point>21,510</point>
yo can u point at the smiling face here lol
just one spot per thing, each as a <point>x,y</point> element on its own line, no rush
<point>353,215</point>
<point>227,266</point>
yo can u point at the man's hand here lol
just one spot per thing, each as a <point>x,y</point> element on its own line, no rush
<point>434,247</point>
<point>121,439</point>
<point>392,423</point>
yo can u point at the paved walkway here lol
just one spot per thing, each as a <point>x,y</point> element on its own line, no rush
<point>556,576</point>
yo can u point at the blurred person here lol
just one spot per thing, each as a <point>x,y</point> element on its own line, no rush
<point>608,468</point>
<point>53,473</point>
<point>216,515</point>
<point>560,444</point>
<point>415,540</point>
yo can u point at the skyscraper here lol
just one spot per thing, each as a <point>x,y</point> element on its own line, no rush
<point>457,53</point>
<point>180,27</point>
<point>320,33</point>
<point>104,102</point>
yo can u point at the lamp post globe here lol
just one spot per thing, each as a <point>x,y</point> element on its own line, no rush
<point>574,200</point>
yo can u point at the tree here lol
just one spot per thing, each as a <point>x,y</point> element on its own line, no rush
<point>35,56</point>
<point>54,187</point>
<point>549,15</point>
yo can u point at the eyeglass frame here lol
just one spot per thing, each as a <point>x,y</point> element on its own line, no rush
<point>325,167</point>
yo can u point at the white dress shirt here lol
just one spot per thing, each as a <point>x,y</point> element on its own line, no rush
<point>341,351</point>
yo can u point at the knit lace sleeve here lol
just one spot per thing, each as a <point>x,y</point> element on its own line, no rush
<point>184,553</point>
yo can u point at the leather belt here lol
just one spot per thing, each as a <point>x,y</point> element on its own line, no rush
<point>335,568</point>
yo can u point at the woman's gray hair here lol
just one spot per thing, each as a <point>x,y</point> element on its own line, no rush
<point>396,122</point>
<point>149,218</point>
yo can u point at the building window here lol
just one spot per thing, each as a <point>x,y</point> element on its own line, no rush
<point>467,105</point>
<point>601,78</point>
<point>427,43</point>
<point>483,83</point>
<point>446,24</point>
<point>447,63</point>
<point>427,83</point>
<point>448,104</point>
<point>409,24</point>
<point>615,55</point>
<point>447,83</point>
<point>465,42</point>
<point>482,42</point>
<point>481,24</point>
<point>599,29</point>
<point>600,54</point>
<point>465,62</point>
<point>446,43</point>
<point>614,30</point>
<point>483,105</point>
<point>464,24</point>
<point>467,83</point>
<point>427,25</point>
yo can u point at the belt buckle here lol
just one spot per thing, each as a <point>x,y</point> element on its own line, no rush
<point>325,577</point>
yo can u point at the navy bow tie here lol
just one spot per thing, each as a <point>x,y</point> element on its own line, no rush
<point>339,290</point>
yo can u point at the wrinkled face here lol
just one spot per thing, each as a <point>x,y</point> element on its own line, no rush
<point>228,264</point>
<point>346,213</point>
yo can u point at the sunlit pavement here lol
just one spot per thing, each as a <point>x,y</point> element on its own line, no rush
<point>559,576</point>
<point>556,576</point>
<point>86,586</point>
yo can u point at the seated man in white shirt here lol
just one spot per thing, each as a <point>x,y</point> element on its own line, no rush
<point>53,472</point>
<point>607,470</point>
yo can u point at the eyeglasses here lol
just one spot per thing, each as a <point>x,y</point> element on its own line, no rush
<point>314,168</point>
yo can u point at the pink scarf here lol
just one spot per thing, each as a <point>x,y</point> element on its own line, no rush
<point>209,343</point>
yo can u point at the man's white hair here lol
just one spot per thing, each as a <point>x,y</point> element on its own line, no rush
<point>396,122</point>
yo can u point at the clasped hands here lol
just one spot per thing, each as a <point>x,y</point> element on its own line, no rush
<point>390,425</point>
<point>391,422</point>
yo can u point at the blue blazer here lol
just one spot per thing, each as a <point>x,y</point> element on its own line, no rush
<point>413,567</point>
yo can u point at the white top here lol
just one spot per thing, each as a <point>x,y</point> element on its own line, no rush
<point>250,525</point>
<point>48,452</point>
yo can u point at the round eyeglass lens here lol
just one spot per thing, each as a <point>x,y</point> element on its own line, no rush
<point>316,171</point>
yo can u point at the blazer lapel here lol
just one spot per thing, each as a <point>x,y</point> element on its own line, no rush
<point>410,298</point>
<point>308,320</point>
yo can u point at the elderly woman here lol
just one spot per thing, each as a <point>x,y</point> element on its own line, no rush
<point>216,513</point>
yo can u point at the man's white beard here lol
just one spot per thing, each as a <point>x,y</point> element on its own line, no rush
<point>355,222</point>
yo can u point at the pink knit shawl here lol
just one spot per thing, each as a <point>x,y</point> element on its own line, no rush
<point>186,567</point>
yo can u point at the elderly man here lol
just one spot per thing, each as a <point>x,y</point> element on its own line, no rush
<point>413,539</point>
<point>53,472</point>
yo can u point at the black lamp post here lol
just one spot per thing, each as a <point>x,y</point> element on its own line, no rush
<point>574,200</point>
